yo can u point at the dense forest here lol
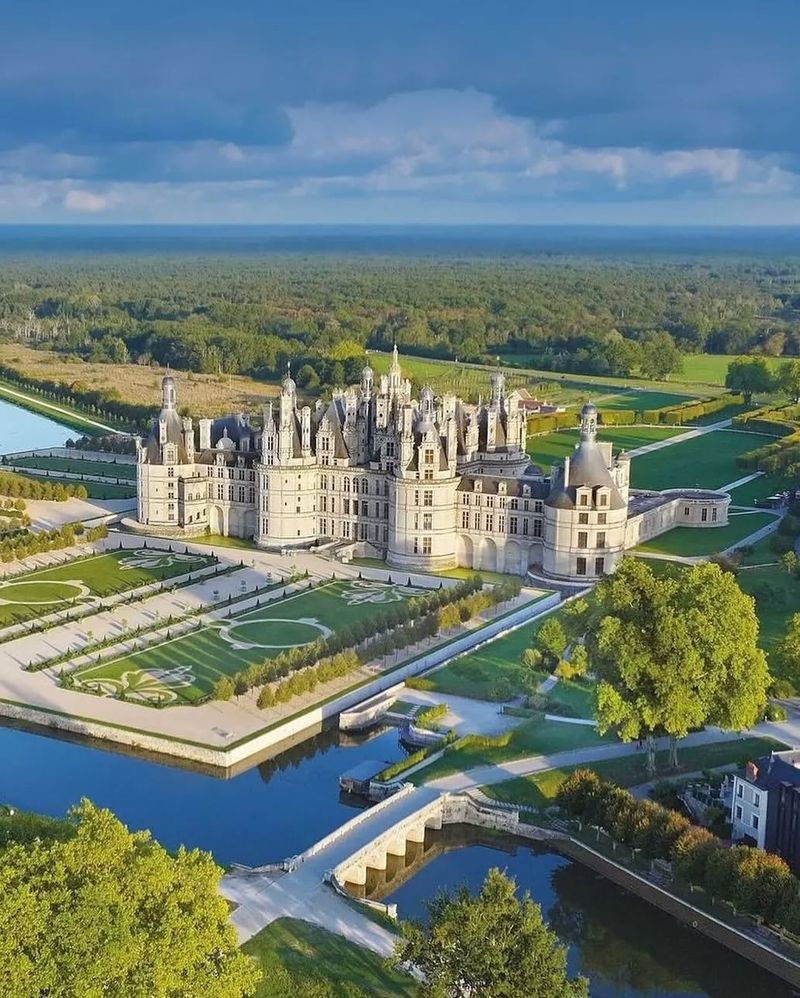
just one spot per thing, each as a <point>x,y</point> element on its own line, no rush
<point>252,314</point>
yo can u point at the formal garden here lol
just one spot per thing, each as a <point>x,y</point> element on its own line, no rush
<point>75,465</point>
<point>304,638</point>
<point>33,594</point>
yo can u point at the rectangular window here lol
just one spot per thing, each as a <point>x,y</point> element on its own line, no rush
<point>685,510</point>
<point>756,799</point>
<point>501,523</point>
<point>584,500</point>
<point>603,501</point>
<point>583,517</point>
<point>347,507</point>
<point>426,545</point>
<point>512,524</point>
<point>583,539</point>
<point>601,519</point>
<point>739,811</point>
<point>525,526</point>
<point>428,455</point>
<point>704,514</point>
<point>416,545</point>
<point>580,566</point>
<point>714,515</point>
<point>739,791</point>
<point>428,476</point>
<point>599,566</point>
<point>465,519</point>
<point>427,521</point>
<point>477,521</point>
<point>537,528</point>
<point>489,521</point>
<point>427,498</point>
<point>601,539</point>
<point>755,821</point>
<point>538,506</point>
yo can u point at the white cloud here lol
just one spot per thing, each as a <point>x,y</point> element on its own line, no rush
<point>90,202</point>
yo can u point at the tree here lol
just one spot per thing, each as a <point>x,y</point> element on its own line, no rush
<point>491,944</point>
<point>788,379</point>
<point>675,653</point>
<point>109,912</point>
<point>552,640</point>
<point>749,375</point>
<point>659,357</point>
<point>788,650</point>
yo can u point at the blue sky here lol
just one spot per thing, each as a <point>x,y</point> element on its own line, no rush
<point>474,111</point>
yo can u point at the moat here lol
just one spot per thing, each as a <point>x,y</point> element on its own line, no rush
<point>284,804</point>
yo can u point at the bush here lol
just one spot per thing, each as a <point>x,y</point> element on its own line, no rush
<point>502,689</point>
<point>775,712</point>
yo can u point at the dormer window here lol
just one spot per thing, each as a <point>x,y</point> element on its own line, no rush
<point>429,455</point>
<point>477,485</point>
<point>602,499</point>
<point>502,488</point>
<point>526,490</point>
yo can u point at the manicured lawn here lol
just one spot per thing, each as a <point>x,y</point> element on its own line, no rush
<point>639,400</point>
<point>540,790</point>
<point>79,466</point>
<point>759,489</point>
<point>777,596</point>
<point>33,594</point>
<point>550,447</point>
<point>94,490</point>
<point>695,541</point>
<point>534,737</point>
<point>294,955</point>
<point>183,669</point>
<point>218,541</point>
<point>705,462</point>
<point>711,368</point>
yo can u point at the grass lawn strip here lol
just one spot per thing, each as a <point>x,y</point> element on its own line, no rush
<point>759,489</point>
<point>540,790</point>
<point>77,466</point>
<point>551,447</point>
<point>707,461</point>
<point>33,594</point>
<point>691,542</point>
<point>308,952</point>
<point>534,737</point>
<point>187,667</point>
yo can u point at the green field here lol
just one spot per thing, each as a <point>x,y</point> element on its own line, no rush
<point>691,542</point>
<point>711,368</point>
<point>759,489</point>
<point>295,956</point>
<point>476,673</point>
<point>550,447</point>
<point>628,771</point>
<point>534,737</point>
<point>33,594</point>
<point>79,466</point>
<point>777,595</point>
<point>704,462</point>
<point>184,669</point>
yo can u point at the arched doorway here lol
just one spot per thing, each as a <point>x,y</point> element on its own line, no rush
<point>513,558</point>
<point>464,552</point>
<point>215,519</point>
<point>488,555</point>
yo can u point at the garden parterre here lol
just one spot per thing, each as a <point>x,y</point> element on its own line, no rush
<point>33,594</point>
<point>185,669</point>
<point>77,466</point>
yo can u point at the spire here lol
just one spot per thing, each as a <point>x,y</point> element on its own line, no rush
<point>395,368</point>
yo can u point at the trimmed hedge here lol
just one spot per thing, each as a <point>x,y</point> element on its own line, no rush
<point>753,881</point>
<point>553,421</point>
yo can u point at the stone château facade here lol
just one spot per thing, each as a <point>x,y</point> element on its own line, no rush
<point>425,484</point>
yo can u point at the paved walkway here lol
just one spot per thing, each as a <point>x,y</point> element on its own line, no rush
<point>264,897</point>
<point>45,515</point>
<point>498,772</point>
<point>679,438</point>
<point>58,410</point>
<point>464,714</point>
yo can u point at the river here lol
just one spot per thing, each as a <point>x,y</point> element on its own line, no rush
<point>282,805</point>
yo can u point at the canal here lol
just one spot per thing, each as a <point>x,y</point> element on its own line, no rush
<point>23,430</point>
<point>623,945</point>
<point>282,805</point>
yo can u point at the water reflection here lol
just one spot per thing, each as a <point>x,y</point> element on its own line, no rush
<point>626,947</point>
<point>272,810</point>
